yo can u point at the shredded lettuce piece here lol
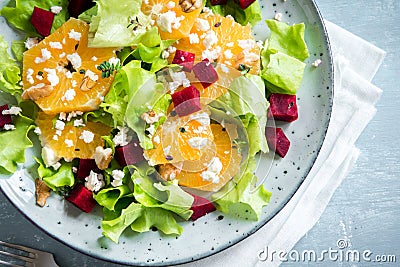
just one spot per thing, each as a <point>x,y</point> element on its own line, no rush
<point>10,73</point>
<point>56,179</point>
<point>287,39</point>
<point>251,14</point>
<point>112,25</point>
<point>240,197</point>
<point>14,143</point>
<point>18,14</point>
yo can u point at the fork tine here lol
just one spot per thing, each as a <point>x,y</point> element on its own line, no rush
<point>9,264</point>
<point>26,249</point>
<point>27,259</point>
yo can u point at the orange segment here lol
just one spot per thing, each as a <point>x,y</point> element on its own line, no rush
<point>180,139</point>
<point>224,151</point>
<point>69,142</point>
<point>160,10</point>
<point>64,61</point>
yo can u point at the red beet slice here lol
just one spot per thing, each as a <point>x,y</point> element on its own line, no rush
<point>4,119</point>
<point>82,198</point>
<point>277,141</point>
<point>186,101</point>
<point>245,3</point>
<point>185,59</point>
<point>205,73</point>
<point>130,154</point>
<point>76,7</point>
<point>84,168</point>
<point>283,107</point>
<point>201,206</point>
<point>218,2</point>
<point>42,20</point>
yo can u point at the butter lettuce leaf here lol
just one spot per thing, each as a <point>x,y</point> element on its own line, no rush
<point>10,73</point>
<point>108,197</point>
<point>14,143</point>
<point>287,39</point>
<point>18,48</point>
<point>239,196</point>
<point>251,14</point>
<point>112,26</point>
<point>18,14</point>
<point>56,179</point>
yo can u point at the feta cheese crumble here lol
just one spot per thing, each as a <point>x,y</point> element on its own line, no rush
<point>56,45</point>
<point>122,138</point>
<point>59,125</point>
<point>52,76</point>
<point>69,143</point>
<point>69,95</point>
<point>165,21</point>
<point>74,35</point>
<point>94,182</point>
<point>12,111</point>
<point>213,171</point>
<point>316,63</point>
<point>202,25</point>
<point>31,42</point>
<point>45,56</point>
<point>278,16</point>
<point>9,127</point>
<point>194,38</point>
<point>87,136</point>
<point>56,9</point>
<point>75,60</point>
<point>197,142</point>
<point>118,176</point>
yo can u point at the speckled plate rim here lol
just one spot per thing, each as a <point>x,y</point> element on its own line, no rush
<point>257,227</point>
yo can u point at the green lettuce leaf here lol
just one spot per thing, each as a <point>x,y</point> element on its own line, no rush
<point>283,74</point>
<point>56,179</point>
<point>88,14</point>
<point>156,195</point>
<point>18,48</point>
<point>246,100</point>
<point>251,15</point>
<point>162,219</point>
<point>240,197</point>
<point>14,143</point>
<point>111,26</point>
<point>287,39</point>
<point>18,13</point>
<point>10,74</point>
<point>108,197</point>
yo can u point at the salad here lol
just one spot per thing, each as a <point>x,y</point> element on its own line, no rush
<point>153,110</point>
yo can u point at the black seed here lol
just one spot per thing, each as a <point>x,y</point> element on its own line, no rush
<point>182,129</point>
<point>217,24</point>
<point>76,46</point>
<point>169,157</point>
<point>172,113</point>
<point>82,71</point>
<point>40,73</point>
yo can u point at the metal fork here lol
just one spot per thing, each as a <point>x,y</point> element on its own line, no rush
<point>32,257</point>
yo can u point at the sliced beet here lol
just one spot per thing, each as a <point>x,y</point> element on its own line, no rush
<point>4,119</point>
<point>205,73</point>
<point>200,207</point>
<point>76,7</point>
<point>283,107</point>
<point>129,154</point>
<point>277,140</point>
<point>185,59</point>
<point>84,168</point>
<point>42,20</point>
<point>186,101</point>
<point>245,3</point>
<point>218,2</point>
<point>82,198</point>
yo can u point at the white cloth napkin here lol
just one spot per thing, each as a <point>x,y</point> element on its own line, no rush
<point>356,62</point>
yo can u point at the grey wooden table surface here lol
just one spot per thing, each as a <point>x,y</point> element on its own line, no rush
<point>365,210</point>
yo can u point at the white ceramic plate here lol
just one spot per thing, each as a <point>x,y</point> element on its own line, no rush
<point>209,234</point>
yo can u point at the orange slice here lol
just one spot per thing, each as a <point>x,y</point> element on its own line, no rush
<point>168,15</point>
<point>60,73</point>
<point>71,142</point>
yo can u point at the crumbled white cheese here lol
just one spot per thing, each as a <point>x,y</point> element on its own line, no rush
<point>37,131</point>
<point>122,138</point>
<point>213,171</point>
<point>207,10</point>
<point>74,35</point>
<point>230,44</point>
<point>69,142</point>
<point>165,21</point>
<point>114,60</point>
<point>170,4</point>
<point>151,129</point>
<point>12,111</point>
<point>55,137</point>
<point>56,166</point>
<point>49,157</point>
<point>87,136</point>
<point>79,123</point>
<point>62,116</point>
<point>69,95</point>
<point>52,76</point>
<point>75,60</point>
<point>197,142</point>
<point>246,44</point>
<point>212,54</point>
<point>260,44</point>
<point>194,38</point>
<point>230,17</point>
<point>31,42</point>
<point>68,74</point>
<point>59,125</point>
<point>62,55</point>
<point>118,176</point>
<point>278,16</point>
<point>74,83</point>
<point>167,150</point>
<point>39,77</point>
<point>210,39</point>
<point>56,9</point>
<point>202,25</point>
<point>171,49</point>
<point>228,54</point>
<point>94,182</point>
<point>202,118</point>
<point>94,58</point>
<point>173,86</point>
<point>58,132</point>
<point>56,45</point>
<point>45,56</point>
<point>9,127</point>
<point>93,76</point>
<point>156,139</point>
<point>316,63</point>
<point>224,68</point>
<point>29,73</point>
<point>164,54</point>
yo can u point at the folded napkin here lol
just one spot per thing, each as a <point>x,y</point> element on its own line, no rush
<point>355,64</point>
